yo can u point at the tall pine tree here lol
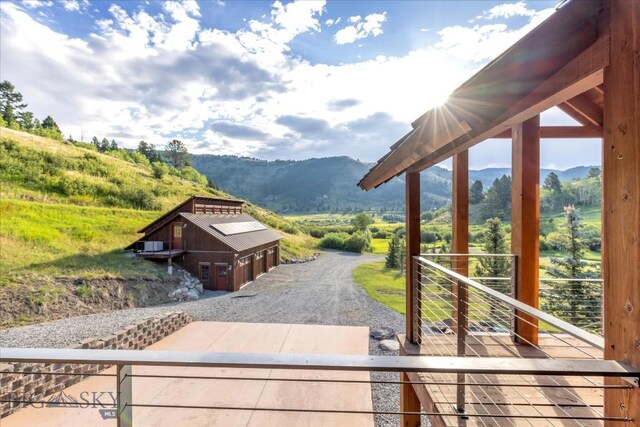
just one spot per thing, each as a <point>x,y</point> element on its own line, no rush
<point>576,301</point>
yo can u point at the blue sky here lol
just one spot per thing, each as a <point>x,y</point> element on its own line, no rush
<point>287,80</point>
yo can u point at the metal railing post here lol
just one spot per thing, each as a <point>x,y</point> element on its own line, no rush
<point>124,396</point>
<point>514,292</point>
<point>461,332</point>
<point>417,301</point>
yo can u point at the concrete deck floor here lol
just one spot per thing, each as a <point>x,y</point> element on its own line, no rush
<point>229,337</point>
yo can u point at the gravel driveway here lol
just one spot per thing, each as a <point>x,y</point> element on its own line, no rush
<point>318,292</point>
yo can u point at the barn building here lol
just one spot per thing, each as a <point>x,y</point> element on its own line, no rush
<point>213,240</point>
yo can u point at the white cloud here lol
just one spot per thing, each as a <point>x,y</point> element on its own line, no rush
<point>370,26</point>
<point>75,5</point>
<point>332,22</point>
<point>507,10</point>
<point>32,4</point>
<point>484,42</point>
<point>155,77</point>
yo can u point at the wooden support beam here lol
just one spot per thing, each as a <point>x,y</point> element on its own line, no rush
<point>562,132</point>
<point>621,203</point>
<point>412,237</point>
<point>460,221</point>
<point>525,223</point>
<point>408,399</point>
<point>591,114</point>
<point>460,209</point>
<point>579,75</point>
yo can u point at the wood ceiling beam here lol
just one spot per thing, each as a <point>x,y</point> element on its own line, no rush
<point>575,115</point>
<point>579,75</point>
<point>586,108</point>
<point>562,132</point>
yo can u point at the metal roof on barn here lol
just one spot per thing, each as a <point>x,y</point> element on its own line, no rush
<point>239,242</point>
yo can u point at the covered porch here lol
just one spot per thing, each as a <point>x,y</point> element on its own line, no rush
<point>583,60</point>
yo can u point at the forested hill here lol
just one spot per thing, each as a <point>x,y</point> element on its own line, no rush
<point>329,184</point>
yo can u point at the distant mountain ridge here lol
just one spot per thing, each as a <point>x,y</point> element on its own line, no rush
<point>329,184</point>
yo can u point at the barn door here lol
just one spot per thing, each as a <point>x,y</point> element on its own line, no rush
<point>221,277</point>
<point>176,235</point>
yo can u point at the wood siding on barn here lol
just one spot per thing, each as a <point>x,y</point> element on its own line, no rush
<point>204,252</point>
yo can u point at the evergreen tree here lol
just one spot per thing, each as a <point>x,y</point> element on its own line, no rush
<point>494,242</point>
<point>552,183</point>
<point>498,199</point>
<point>594,172</point>
<point>148,150</point>
<point>95,142</point>
<point>391,260</point>
<point>11,104</point>
<point>177,154</point>
<point>113,145</point>
<point>578,302</point>
<point>104,145</point>
<point>49,123</point>
<point>476,194</point>
<point>26,120</point>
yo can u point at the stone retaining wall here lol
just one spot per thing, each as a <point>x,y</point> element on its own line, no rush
<point>44,379</point>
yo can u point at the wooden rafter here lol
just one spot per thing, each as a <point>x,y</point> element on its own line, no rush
<point>584,110</point>
<point>490,103</point>
<point>562,132</point>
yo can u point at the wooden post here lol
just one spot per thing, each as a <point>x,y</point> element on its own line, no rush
<point>412,237</point>
<point>409,401</point>
<point>460,245</point>
<point>525,223</point>
<point>621,203</point>
<point>460,211</point>
<point>460,217</point>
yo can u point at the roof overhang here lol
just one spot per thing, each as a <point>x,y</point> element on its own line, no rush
<point>556,62</point>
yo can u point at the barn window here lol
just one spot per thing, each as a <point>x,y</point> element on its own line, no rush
<point>204,271</point>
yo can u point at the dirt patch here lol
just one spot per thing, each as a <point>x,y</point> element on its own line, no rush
<point>42,299</point>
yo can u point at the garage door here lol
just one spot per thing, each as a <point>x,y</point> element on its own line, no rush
<point>245,270</point>
<point>261,260</point>
<point>271,258</point>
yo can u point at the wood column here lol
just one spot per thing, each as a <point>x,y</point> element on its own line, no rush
<point>525,223</point>
<point>412,237</point>
<point>460,224</point>
<point>621,203</point>
<point>460,211</point>
<point>409,401</point>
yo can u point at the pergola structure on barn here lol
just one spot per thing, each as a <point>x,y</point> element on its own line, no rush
<point>584,59</point>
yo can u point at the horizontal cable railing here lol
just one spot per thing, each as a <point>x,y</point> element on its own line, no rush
<point>575,300</point>
<point>128,363</point>
<point>457,315</point>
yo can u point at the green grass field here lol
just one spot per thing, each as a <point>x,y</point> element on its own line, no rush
<point>382,284</point>
<point>65,241</point>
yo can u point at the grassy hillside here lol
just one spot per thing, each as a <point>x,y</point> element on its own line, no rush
<point>66,213</point>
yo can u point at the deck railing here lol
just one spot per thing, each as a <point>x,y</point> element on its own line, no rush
<point>458,316</point>
<point>127,361</point>
<point>575,300</point>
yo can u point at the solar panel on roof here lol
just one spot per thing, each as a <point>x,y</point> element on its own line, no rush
<point>232,228</point>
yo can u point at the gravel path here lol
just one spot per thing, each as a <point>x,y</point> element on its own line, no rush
<point>318,292</point>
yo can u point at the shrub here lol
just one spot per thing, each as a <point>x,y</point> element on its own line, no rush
<point>138,198</point>
<point>381,235</point>
<point>190,174</point>
<point>159,169</point>
<point>334,241</point>
<point>356,243</point>
<point>429,236</point>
